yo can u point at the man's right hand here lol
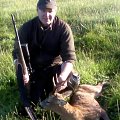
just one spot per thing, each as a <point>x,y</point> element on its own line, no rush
<point>26,78</point>
<point>25,74</point>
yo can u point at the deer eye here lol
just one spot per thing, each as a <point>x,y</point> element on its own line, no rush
<point>48,102</point>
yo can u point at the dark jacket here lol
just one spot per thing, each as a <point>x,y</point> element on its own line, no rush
<point>47,46</point>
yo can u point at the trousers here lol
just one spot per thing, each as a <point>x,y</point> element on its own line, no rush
<point>41,82</point>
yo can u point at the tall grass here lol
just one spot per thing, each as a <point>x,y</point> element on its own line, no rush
<point>96,28</point>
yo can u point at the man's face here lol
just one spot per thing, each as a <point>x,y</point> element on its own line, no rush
<point>46,16</point>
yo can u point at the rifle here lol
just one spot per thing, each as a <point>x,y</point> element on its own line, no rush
<point>22,69</point>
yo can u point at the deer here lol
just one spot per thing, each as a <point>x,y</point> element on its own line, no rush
<point>82,104</point>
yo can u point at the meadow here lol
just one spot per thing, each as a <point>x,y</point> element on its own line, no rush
<point>96,28</point>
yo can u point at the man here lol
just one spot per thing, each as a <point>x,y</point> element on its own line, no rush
<point>51,47</point>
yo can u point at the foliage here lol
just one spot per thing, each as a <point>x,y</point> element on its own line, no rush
<point>96,28</point>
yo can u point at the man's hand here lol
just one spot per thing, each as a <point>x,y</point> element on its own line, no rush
<point>26,78</point>
<point>25,74</point>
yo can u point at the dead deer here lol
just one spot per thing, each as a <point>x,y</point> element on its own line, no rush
<point>81,106</point>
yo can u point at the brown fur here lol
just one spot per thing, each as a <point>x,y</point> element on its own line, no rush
<point>82,105</point>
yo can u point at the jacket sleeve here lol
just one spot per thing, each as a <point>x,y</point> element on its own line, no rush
<point>67,45</point>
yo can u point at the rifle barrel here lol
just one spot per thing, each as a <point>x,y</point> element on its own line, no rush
<point>20,56</point>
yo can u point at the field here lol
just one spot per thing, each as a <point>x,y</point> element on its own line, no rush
<point>96,28</point>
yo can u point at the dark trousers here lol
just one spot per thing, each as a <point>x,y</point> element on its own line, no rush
<point>41,82</point>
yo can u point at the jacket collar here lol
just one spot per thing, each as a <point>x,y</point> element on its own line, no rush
<point>44,28</point>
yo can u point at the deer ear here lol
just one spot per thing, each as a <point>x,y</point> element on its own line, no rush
<point>58,95</point>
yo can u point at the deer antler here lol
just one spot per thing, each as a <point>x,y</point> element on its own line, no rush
<point>57,84</point>
<point>54,84</point>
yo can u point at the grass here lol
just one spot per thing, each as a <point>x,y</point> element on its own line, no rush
<point>96,28</point>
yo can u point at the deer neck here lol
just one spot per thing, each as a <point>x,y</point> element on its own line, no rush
<point>68,112</point>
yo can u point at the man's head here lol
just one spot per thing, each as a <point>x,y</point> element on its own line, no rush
<point>46,11</point>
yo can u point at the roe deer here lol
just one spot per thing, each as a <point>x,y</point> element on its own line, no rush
<point>81,106</point>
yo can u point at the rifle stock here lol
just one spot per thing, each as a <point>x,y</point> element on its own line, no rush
<point>22,69</point>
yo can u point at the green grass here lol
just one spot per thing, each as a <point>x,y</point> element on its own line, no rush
<point>96,28</point>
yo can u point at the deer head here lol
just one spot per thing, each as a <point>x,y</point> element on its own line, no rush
<point>55,99</point>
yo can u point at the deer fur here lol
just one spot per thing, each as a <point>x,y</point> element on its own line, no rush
<point>81,106</point>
